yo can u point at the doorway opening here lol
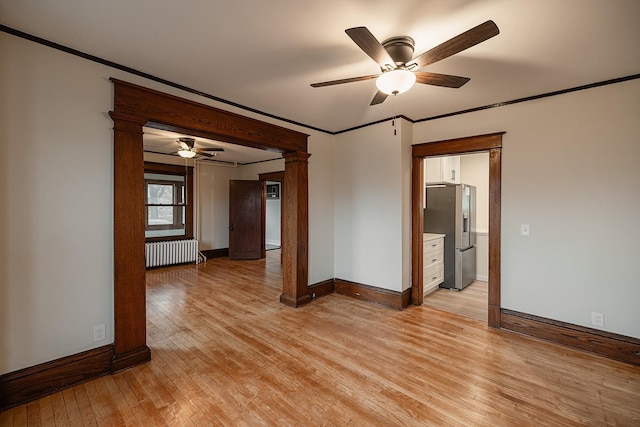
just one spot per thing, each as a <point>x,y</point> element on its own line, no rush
<point>457,283</point>
<point>482,143</point>
<point>274,212</point>
<point>134,107</point>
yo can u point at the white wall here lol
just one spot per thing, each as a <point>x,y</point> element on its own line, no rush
<point>474,170</point>
<point>406,139</point>
<point>253,170</point>
<point>212,219</point>
<point>56,264</point>
<point>321,207</point>
<point>570,170</point>
<point>370,216</point>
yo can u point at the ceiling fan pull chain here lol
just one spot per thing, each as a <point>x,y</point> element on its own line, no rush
<point>395,116</point>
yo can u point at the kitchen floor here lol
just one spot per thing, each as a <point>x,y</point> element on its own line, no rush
<point>472,301</point>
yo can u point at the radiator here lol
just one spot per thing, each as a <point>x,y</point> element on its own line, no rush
<point>173,252</point>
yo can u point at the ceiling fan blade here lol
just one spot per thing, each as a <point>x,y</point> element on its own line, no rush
<point>443,80</point>
<point>205,150</point>
<point>341,81</point>
<point>379,98</point>
<point>457,44</point>
<point>203,153</point>
<point>370,45</point>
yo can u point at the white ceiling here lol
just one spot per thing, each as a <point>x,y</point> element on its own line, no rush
<point>264,54</point>
<point>165,142</point>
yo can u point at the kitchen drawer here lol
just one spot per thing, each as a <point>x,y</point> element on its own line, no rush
<point>432,277</point>
<point>433,256</point>
<point>431,245</point>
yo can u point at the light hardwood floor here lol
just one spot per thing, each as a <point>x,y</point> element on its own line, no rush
<point>226,352</point>
<point>472,301</point>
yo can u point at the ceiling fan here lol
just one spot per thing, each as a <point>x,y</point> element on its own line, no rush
<point>399,70</point>
<point>188,150</point>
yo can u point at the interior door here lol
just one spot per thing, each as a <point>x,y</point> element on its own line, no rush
<point>246,234</point>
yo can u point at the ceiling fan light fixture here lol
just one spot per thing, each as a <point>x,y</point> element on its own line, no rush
<point>395,82</point>
<point>187,154</point>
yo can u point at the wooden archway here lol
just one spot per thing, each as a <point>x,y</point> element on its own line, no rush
<point>134,107</point>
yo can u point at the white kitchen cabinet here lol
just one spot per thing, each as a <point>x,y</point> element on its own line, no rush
<point>442,169</point>
<point>433,261</point>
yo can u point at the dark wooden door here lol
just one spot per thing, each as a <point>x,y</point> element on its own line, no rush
<point>246,234</point>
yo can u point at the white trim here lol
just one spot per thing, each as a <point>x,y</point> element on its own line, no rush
<point>429,289</point>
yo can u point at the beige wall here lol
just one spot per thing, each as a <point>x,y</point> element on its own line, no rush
<point>212,204</point>
<point>372,206</point>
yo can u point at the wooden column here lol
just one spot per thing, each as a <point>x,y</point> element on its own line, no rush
<point>295,230</point>
<point>417,229</point>
<point>495,203</point>
<point>128,225</point>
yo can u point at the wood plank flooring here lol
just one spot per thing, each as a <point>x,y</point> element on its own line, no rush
<point>226,352</point>
<point>472,301</point>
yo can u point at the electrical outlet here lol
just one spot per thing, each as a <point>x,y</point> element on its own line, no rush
<point>99,333</point>
<point>597,319</point>
<point>525,230</point>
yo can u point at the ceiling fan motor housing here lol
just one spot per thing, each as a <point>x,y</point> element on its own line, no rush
<point>188,142</point>
<point>400,49</point>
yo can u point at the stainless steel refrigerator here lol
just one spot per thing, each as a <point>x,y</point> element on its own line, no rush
<point>451,210</point>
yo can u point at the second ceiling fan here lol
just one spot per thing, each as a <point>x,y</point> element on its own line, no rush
<point>399,70</point>
<point>186,148</point>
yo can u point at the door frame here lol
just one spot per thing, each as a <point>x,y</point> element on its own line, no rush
<point>136,106</point>
<point>473,144</point>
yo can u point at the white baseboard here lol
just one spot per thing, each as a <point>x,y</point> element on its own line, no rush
<point>482,278</point>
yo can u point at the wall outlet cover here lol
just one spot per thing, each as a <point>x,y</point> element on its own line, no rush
<point>99,333</point>
<point>597,319</point>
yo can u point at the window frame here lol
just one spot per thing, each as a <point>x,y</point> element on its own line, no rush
<point>177,205</point>
<point>187,203</point>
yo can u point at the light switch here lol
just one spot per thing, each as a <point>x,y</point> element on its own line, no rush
<point>525,230</point>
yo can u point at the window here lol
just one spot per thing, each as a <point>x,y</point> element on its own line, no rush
<point>167,202</point>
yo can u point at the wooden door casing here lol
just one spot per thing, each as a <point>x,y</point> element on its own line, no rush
<point>491,143</point>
